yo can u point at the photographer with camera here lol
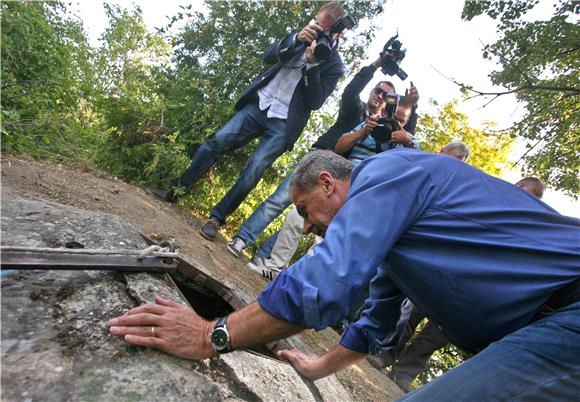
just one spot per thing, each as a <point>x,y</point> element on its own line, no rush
<point>379,133</point>
<point>304,69</point>
<point>276,252</point>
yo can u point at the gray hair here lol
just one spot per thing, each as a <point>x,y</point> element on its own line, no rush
<point>532,185</point>
<point>305,176</point>
<point>456,149</point>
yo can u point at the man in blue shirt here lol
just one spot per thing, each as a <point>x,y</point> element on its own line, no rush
<point>495,268</point>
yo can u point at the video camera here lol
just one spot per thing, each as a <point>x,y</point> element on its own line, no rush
<point>324,41</point>
<point>387,123</point>
<point>390,62</point>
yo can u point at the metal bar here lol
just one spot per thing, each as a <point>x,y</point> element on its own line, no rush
<point>65,261</point>
<point>22,258</point>
<point>85,251</point>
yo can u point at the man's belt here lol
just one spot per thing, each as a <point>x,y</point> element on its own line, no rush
<point>565,296</point>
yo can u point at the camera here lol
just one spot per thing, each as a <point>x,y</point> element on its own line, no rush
<point>390,62</point>
<point>387,124</point>
<point>324,41</point>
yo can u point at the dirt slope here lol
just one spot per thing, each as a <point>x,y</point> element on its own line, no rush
<point>93,190</point>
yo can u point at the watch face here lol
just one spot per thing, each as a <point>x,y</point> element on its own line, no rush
<point>219,339</point>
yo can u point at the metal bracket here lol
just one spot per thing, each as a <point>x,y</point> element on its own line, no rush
<point>80,259</point>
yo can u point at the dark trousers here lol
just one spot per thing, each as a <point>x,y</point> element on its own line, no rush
<point>408,362</point>
<point>413,359</point>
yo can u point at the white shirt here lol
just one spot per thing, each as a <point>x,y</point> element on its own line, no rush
<point>278,93</point>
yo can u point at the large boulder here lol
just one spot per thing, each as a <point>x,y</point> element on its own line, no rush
<point>55,341</point>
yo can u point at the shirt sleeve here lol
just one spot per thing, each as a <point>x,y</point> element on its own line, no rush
<point>387,193</point>
<point>350,100</point>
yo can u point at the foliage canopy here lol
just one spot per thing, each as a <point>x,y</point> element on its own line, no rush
<point>488,150</point>
<point>539,62</point>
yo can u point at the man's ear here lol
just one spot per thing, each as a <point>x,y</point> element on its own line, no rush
<point>327,182</point>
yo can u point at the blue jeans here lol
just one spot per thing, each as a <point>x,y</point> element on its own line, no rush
<point>273,206</point>
<point>265,249</point>
<point>540,362</point>
<point>247,124</point>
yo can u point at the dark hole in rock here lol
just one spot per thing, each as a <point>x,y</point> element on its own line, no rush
<point>209,305</point>
<point>204,301</point>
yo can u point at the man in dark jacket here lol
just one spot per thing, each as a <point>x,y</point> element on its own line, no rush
<point>276,107</point>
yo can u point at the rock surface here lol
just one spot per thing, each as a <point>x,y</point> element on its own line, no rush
<point>55,340</point>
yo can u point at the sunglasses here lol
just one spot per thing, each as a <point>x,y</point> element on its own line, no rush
<point>380,91</point>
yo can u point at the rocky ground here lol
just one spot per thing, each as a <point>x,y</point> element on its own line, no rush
<point>50,349</point>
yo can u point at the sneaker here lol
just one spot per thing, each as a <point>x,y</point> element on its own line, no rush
<point>258,265</point>
<point>163,194</point>
<point>236,246</point>
<point>209,229</point>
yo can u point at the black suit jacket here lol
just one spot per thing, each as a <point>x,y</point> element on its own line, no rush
<point>312,90</point>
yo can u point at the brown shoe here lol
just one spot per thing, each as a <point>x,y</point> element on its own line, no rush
<point>209,229</point>
<point>167,195</point>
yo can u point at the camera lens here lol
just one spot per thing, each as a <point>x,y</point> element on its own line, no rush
<point>322,49</point>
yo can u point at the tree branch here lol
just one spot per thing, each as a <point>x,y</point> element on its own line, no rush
<point>500,56</point>
<point>519,89</point>
<point>497,94</point>
<point>529,150</point>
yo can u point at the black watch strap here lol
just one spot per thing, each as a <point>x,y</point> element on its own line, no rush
<point>220,337</point>
<point>221,322</point>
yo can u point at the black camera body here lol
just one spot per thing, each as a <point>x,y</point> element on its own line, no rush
<point>324,42</point>
<point>387,124</point>
<point>391,61</point>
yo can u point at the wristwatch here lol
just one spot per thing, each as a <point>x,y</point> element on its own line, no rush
<point>220,337</point>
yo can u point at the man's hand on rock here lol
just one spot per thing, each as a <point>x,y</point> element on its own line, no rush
<point>168,326</point>
<point>305,365</point>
